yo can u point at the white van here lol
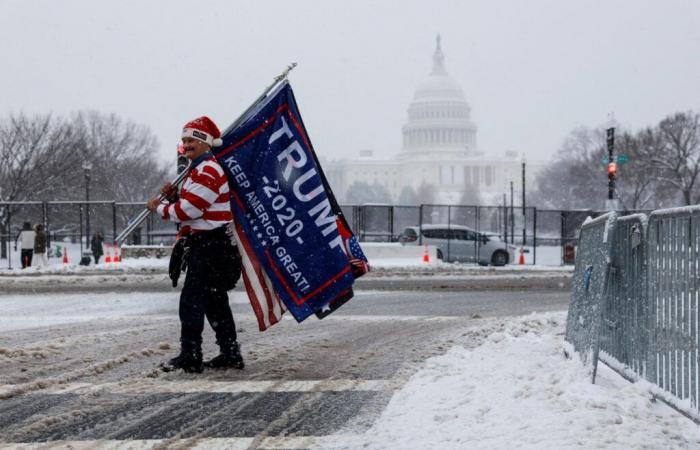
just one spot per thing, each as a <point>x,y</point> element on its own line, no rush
<point>460,243</point>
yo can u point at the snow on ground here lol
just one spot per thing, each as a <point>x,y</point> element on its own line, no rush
<point>514,389</point>
<point>518,391</point>
<point>160,265</point>
<point>38,310</point>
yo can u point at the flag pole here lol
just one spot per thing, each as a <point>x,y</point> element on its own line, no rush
<point>145,213</point>
<point>277,80</point>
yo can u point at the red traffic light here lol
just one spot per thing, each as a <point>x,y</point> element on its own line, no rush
<point>612,169</point>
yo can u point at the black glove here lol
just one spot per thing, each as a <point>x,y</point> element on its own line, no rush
<point>178,260</point>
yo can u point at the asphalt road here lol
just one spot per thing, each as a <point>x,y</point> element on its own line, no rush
<point>319,384</point>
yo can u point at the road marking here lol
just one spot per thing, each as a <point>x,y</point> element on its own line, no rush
<point>276,442</point>
<point>191,386</point>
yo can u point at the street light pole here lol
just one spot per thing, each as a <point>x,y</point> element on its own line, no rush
<point>87,167</point>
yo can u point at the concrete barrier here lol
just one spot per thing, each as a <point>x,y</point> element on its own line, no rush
<point>145,251</point>
<point>410,253</point>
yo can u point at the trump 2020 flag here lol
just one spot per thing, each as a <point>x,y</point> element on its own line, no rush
<point>298,252</point>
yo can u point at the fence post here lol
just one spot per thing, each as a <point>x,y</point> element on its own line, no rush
<point>9,236</point>
<point>477,242</point>
<point>534,236</point>
<point>420,224</point>
<point>114,220</point>
<point>80,236</point>
<point>391,223</point>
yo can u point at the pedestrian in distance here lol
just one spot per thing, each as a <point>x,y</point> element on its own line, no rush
<point>40,258</point>
<point>204,249</point>
<point>25,240</point>
<point>96,246</point>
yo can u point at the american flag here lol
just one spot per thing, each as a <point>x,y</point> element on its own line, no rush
<point>357,258</point>
<point>266,303</point>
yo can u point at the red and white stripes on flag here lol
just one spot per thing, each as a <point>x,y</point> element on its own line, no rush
<point>266,303</point>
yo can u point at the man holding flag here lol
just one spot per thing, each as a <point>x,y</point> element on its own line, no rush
<point>212,261</point>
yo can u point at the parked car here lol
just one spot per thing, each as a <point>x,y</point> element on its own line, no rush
<point>460,243</point>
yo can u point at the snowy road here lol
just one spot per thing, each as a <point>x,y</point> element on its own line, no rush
<point>87,371</point>
<point>77,370</point>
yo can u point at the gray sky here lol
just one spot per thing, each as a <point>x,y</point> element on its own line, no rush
<point>531,70</point>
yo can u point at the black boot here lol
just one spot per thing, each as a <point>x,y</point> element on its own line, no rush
<point>229,358</point>
<point>189,360</point>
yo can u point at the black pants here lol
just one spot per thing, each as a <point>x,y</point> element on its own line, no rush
<point>27,255</point>
<point>202,296</point>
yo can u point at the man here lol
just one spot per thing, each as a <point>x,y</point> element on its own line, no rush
<point>96,246</point>
<point>211,260</point>
<point>40,243</point>
<point>25,239</point>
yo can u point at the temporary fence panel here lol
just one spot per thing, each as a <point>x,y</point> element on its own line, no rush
<point>99,218</point>
<point>405,216</point>
<point>589,286</point>
<point>673,301</point>
<point>626,330</point>
<point>352,217</point>
<point>76,221</point>
<point>376,223</point>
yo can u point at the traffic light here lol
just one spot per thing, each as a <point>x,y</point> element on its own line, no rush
<point>612,165</point>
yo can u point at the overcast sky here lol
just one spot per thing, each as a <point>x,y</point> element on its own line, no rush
<point>531,70</point>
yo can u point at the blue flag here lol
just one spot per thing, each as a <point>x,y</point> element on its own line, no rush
<point>295,243</point>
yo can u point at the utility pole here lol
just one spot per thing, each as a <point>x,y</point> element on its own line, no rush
<point>524,221</point>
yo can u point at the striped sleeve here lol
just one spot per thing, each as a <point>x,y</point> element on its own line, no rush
<point>207,184</point>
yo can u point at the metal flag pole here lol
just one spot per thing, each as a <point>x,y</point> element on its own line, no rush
<point>144,214</point>
<point>277,80</point>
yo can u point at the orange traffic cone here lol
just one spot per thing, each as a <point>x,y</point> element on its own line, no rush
<point>65,256</point>
<point>521,260</point>
<point>117,256</point>
<point>426,256</point>
<point>108,258</point>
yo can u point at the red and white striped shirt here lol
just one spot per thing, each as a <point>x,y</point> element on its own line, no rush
<point>204,199</point>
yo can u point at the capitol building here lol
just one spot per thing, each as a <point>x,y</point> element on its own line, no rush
<point>439,149</point>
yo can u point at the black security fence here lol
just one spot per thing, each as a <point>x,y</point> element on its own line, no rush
<point>76,222</point>
<point>546,236</point>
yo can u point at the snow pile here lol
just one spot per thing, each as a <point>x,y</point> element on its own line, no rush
<point>518,391</point>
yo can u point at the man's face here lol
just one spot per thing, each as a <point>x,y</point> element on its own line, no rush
<point>194,148</point>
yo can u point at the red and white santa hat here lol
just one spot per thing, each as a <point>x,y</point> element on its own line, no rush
<point>203,129</point>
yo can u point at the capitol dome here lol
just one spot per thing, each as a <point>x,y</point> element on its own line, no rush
<point>439,116</point>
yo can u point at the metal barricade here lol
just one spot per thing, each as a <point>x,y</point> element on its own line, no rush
<point>673,301</point>
<point>589,287</point>
<point>625,331</point>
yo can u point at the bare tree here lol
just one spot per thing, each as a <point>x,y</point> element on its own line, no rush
<point>35,156</point>
<point>637,186</point>
<point>35,159</point>
<point>575,179</point>
<point>673,148</point>
<point>122,155</point>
